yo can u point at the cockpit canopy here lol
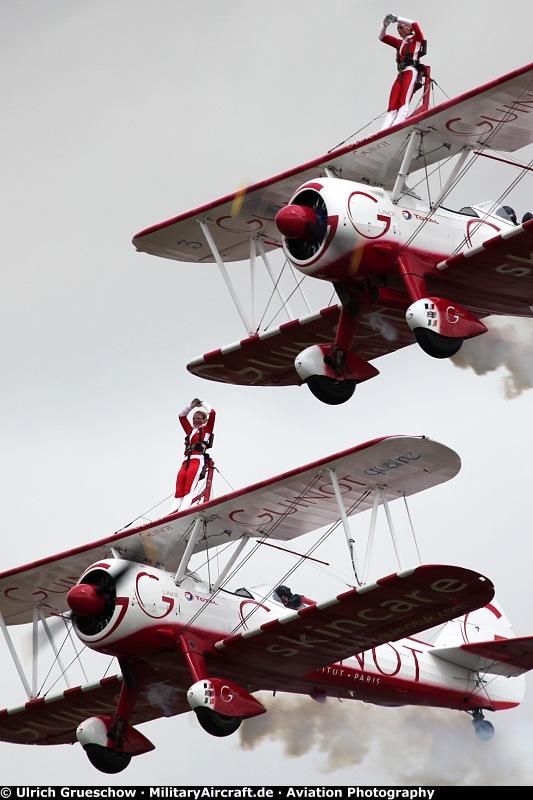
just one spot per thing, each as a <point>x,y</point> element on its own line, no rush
<point>484,210</point>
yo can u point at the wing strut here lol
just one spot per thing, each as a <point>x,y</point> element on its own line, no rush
<point>53,645</point>
<point>15,657</point>
<point>38,617</point>
<point>451,178</point>
<point>266,262</point>
<point>35,651</point>
<point>224,273</point>
<point>345,523</point>
<point>231,562</point>
<point>385,503</point>
<point>371,534</point>
<point>406,163</point>
<point>256,247</point>
<point>197,530</point>
<point>379,497</point>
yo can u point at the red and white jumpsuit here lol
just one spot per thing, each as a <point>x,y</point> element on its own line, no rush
<point>407,52</point>
<point>189,473</point>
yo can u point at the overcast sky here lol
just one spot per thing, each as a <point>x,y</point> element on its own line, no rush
<point>118,114</point>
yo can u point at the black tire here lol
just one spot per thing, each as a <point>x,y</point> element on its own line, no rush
<point>484,729</point>
<point>437,345</point>
<point>330,390</point>
<point>217,724</point>
<point>107,760</point>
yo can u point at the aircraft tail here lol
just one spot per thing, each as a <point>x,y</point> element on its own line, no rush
<point>483,624</point>
<point>483,641</point>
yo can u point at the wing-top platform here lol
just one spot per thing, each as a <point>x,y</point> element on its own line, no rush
<point>282,508</point>
<point>496,116</point>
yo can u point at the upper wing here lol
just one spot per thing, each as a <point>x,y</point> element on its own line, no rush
<point>498,273</point>
<point>267,359</point>
<point>395,607</point>
<point>53,719</point>
<point>498,115</point>
<point>509,657</point>
<point>292,504</point>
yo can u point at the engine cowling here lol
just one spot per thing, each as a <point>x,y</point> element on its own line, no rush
<point>338,230</point>
<point>122,608</point>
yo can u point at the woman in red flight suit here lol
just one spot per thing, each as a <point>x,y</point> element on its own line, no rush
<point>407,56</point>
<point>198,437</point>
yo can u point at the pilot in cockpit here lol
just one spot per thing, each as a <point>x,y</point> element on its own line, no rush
<point>508,213</point>
<point>284,595</point>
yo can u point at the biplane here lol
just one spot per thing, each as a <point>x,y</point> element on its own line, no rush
<point>404,267</point>
<point>425,635</point>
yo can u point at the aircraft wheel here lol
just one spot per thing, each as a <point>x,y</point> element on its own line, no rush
<point>437,345</point>
<point>330,390</point>
<point>107,760</point>
<point>484,729</point>
<point>217,724</point>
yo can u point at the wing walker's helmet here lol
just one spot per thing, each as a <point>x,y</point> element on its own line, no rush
<point>283,590</point>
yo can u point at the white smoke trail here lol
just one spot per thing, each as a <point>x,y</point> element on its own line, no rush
<point>300,725</point>
<point>167,698</point>
<point>382,326</point>
<point>507,344</point>
<point>407,746</point>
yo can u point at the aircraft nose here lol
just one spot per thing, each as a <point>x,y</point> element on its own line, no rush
<point>296,222</point>
<point>84,600</point>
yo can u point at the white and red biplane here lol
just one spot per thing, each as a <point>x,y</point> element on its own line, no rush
<point>393,257</point>
<point>429,635</point>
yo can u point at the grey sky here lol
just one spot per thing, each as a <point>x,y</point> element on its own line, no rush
<point>120,114</point>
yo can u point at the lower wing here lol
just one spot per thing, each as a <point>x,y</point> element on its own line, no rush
<point>496,277</point>
<point>267,359</point>
<point>54,719</point>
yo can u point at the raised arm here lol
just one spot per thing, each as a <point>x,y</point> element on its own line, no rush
<point>386,37</point>
<point>419,36</point>
<point>210,424</point>
<point>184,413</point>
